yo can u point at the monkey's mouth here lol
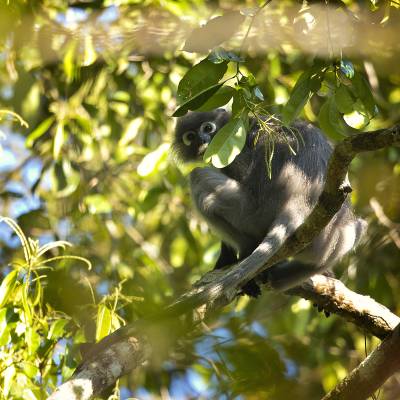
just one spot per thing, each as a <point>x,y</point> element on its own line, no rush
<point>202,149</point>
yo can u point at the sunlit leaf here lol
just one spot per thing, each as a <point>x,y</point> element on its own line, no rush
<point>97,204</point>
<point>32,339</point>
<point>13,115</point>
<point>103,322</point>
<point>59,140</point>
<point>356,120</point>
<point>90,55</point>
<point>7,286</point>
<point>152,161</point>
<point>57,329</point>
<point>70,67</point>
<point>41,129</point>
<point>8,379</point>
<point>227,143</point>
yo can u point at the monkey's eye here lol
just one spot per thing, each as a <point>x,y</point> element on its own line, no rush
<point>188,138</point>
<point>208,127</point>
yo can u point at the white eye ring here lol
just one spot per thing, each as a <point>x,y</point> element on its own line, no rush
<point>208,127</point>
<point>188,137</point>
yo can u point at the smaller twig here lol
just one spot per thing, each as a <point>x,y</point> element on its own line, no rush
<point>385,221</point>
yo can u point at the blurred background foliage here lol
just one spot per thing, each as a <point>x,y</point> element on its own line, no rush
<point>96,83</point>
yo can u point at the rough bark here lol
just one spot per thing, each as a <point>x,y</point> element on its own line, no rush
<point>372,373</point>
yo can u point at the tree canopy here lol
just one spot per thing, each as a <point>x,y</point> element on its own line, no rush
<point>97,227</point>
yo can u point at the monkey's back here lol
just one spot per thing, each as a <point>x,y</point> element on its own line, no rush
<point>296,179</point>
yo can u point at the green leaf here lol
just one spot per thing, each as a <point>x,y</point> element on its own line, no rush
<point>238,104</point>
<point>7,286</point>
<point>90,55</point>
<point>98,204</point>
<point>153,161</point>
<point>363,92</point>
<point>199,78</point>
<point>356,119</point>
<point>32,339</point>
<point>343,99</point>
<point>69,62</point>
<point>227,143</point>
<point>309,82</point>
<point>103,323</point>
<point>66,178</point>
<point>220,98</point>
<point>8,379</point>
<point>57,329</point>
<point>42,128</point>
<point>26,304</point>
<point>4,326</point>
<point>38,294</point>
<point>59,139</point>
<point>331,121</point>
<point>197,101</point>
<point>30,369</point>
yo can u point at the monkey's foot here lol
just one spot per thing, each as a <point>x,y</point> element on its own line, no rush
<point>251,288</point>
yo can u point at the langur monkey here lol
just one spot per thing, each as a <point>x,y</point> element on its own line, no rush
<point>252,212</point>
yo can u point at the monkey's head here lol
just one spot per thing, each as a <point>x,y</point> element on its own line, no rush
<point>195,131</point>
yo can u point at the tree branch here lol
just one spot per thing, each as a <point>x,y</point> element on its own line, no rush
<point>372,373</point>
<point>219,288</point>
<point>334,297</point>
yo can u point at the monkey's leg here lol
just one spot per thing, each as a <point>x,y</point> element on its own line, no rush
<point>226,257</point>
<point>287,274</point>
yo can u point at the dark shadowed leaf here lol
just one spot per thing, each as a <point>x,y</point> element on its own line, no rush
<point>197,101</point>
<point>202,76</point>
<point>343,100</point>
<point>309,82</point>
<point>362,90</point>
<point>220,98</point>
<point>198,85</point>
<point>331,121</point>
<point>239,103</point>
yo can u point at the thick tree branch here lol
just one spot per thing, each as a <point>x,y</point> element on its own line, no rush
<point>333,296</point>
<point>372,373</point>
<point>219,288</point>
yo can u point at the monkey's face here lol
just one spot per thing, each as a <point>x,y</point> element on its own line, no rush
<point>195,131</point>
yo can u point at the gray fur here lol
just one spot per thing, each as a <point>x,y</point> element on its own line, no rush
<point>253,214</point>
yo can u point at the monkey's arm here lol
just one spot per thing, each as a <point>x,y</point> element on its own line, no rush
<point>224,203</point>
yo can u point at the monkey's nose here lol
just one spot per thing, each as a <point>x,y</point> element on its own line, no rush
<point>204,137</point>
